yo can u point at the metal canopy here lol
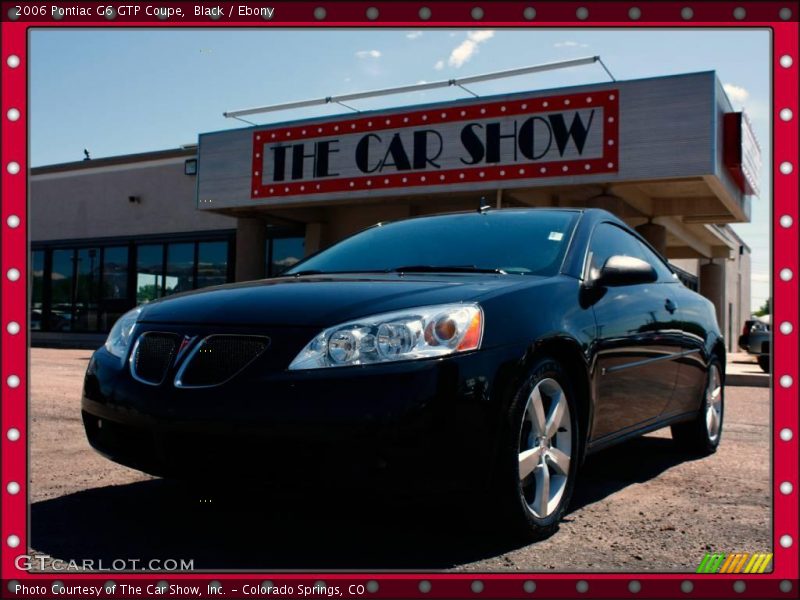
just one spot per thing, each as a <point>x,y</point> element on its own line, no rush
<point>564,64</point>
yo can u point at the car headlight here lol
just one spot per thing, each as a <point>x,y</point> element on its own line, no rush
<point>119,338</point>
<point>414,333</point>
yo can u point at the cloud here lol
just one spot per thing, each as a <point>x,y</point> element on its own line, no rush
<point>570,44</point>
<point>466,49</point>
<point>439,65</point>
<point>368,54</point>
<point>414,35</point>
<point>736,93</point>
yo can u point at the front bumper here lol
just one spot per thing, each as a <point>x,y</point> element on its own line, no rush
<point>417,423</point>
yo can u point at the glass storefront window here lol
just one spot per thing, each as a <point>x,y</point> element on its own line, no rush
<point>212,263</point>
<point>37,289</point>
<point>286,252</point>
<point>115,273</point>
<point>61,291</point>
<point>149,272</point>
<point>180,268</point>
<point>87,289</point>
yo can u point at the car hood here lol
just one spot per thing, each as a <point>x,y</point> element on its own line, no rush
<point>323,300</point>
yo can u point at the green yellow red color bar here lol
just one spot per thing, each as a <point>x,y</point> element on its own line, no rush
<point>739,562</point>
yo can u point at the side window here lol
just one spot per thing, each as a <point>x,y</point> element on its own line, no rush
<point>609,240</point>
<point>664,272</point>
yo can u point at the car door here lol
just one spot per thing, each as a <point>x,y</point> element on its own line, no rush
<point>696,314</point>
<point>638,338</point>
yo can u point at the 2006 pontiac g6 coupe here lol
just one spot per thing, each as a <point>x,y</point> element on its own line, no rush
<point>476,351</point>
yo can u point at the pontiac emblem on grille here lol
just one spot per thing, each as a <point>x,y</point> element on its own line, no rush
<point>185,343</point>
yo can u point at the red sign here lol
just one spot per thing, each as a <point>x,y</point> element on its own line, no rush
<point>560,136</point>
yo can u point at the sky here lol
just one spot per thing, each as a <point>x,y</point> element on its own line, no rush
<point>125,91</point>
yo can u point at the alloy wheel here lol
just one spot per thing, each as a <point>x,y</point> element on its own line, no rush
<point>545,448</point>
<point>714,403</point>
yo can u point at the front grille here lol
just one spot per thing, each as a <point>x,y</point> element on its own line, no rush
<point>153,355</point>
<point>218,358</point>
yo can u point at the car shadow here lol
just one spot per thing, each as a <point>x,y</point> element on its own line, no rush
<point>322,530</point>
<point>635,461</point>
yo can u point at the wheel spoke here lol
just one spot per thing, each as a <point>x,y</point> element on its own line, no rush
<point>535,412</point>
<point>542,497</point>
<point>558,460</point>
<point>555,416</point>
<point>714,424</point>
<point>528,461</point>
<point>714,395</point>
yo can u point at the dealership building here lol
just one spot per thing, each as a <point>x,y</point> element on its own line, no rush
<point>668,155</point>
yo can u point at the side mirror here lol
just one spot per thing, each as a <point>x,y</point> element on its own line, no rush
<point>626,270</point>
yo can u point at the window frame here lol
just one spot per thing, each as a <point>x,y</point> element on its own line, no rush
<point>585,275</point>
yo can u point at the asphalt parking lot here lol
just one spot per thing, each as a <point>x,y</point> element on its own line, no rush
<point>641,506</point>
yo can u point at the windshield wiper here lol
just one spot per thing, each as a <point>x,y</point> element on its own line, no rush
<point>443,269</point>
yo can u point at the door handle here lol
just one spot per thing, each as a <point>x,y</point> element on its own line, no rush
<point>670,306</point>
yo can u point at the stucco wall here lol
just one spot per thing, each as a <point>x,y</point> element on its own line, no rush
<point>91,203</point>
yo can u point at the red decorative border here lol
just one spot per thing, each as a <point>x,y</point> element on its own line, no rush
<point>608,100</point>
<point>14,249</point>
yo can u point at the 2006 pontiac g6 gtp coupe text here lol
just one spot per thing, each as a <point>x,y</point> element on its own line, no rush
<point>486,351</point>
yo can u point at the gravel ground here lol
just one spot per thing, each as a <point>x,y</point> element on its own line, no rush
<point>638,507</point>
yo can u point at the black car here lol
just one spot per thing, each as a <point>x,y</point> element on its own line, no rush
<point>490,350</point>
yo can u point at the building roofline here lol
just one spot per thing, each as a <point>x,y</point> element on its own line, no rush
<point>123,159</point>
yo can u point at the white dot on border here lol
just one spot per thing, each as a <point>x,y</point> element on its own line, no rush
<point>12,541</point>
<point>13,167</point>
<point>13,434</point>
<point>786,488</point>
<point>12,381</point>
<point>786,61</point>
<point>786,168</point>
<point>13,488</point>
<point>13,274</point>
<point>786,328</point>
<point>529,586</point>
<point>13,221</point>
<point>786,434</point>
<point>372,586</point>
<point>635,13</point>
<point>786,221</point>
<point>785,586</point>
<point>786,114</point>
<point>13,328</point>
<point>634,587</point>
<point>786,381</point>
<point>786,274</point>
<point>13,61</point>
<point>425,586</point>
<point>476,587</point>
<point>12,114</point>
<point>739,587</point>
<point>582,586</point>
<point>687,13</point>
<point>582,13</point>
<point>786,541</point>
<point>687,587</point>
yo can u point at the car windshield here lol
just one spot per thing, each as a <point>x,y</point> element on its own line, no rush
<point>515,242</point>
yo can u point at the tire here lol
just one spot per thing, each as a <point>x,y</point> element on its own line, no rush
<point>702,435</point>
<point>763,362</point>
<point>550,456</point>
